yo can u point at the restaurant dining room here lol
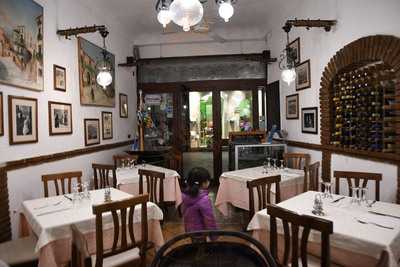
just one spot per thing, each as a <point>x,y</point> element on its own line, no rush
<point>199,133</point>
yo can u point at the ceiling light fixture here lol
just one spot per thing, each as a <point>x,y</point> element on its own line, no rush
<point>225,9</point>
<point>104,77</point>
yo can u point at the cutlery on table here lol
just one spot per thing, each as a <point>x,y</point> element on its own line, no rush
<point>338,199</point>
<point>384,214</point>
<point>67,197</point>
<point>53,211</point>
<point>372,223</point>
<point>47,205</point>
<point>370,204</point>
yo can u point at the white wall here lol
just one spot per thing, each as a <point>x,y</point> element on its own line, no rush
<point>25,183</point>
<point>356,19</point>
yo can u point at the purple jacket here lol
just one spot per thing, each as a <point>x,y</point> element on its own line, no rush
<point>197,212</point>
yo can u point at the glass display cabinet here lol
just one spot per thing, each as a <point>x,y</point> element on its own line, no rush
<point>247,156</point>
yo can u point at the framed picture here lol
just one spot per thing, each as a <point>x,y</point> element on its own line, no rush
<point>123,106</point>
<point>21,38</point>
<point>107,125</point>
<point>23,120</point>
<point>60,78</point>
<point>295,46</point>
<point>92,131</point>
<point>309,120</point>
<point>93,94</point>
<point>1,115</point>
<point>303,77</point>
<point>60,118</point>
<point>292,107</point>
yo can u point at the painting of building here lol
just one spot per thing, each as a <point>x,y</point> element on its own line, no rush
<point>21,44</point>
<point>91,93</point>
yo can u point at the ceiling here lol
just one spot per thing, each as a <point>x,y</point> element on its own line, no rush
<point>138,17</point>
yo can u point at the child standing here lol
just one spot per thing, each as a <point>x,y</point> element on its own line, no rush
<point>196,206</point>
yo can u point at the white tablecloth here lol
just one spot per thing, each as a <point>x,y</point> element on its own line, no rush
<point>52,222</point>
<point>233,187</point>
<point>348,234</point>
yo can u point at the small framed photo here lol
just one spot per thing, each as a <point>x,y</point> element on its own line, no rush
<point>60,78</point>
<point>309,120</point>
<point>295,47</point>
<point>1,115</point>
<point>292,107</point>
<point>60,118</point>
<point>23,120</point>
<point>107,125</point>
<point>92,131</point>
<point>123,106</point>
<point>303,76</point>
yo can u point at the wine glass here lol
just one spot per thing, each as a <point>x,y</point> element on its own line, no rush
<point>354,194</point>
<point>269,162</point>
<point>265,166</point>
<point>282,167</point>
<point>143,163</point>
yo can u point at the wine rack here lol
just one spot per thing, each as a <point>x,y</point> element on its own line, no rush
<point>364,109</point>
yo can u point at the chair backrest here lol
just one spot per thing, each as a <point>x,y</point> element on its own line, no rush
<point>119,159</point>
<point>122,227</point>
<point>101,175</point>
<point>296,160</point>
<point>263,187</point>
<point>291,225</point>
<point>153,179</point>
<point>311,177</point>
<point>59,180</point>
<point>360,180</point>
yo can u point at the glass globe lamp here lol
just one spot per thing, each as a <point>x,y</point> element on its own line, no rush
<point>186,13</point>
<point>164,17</point>
<point>288,75</point>
<point>104,77</point>
<point>225,11</point>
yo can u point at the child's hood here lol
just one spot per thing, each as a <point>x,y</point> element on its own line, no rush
<point>190,201</point>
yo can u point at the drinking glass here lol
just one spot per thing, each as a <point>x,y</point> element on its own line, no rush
<point>107,194</point>
<point>355,195</point>
<point>327,190</point>
<point>282,164</point>
<point>85,189</point>
<point>143,163</point>
<point>363,197</point>
<point>75,194</point>
<point>132,163</point>
<point>269,162</point>
<point>265,166</point>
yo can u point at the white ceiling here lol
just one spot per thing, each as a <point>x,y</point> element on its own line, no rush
<point>138,17</point>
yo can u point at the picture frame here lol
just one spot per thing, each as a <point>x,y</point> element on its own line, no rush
<point>59,78</point>
<point>309,120</point>
<point>60,118</point>
<point>303,75</point>
<point>107,125</point>
<point>91,93</point>
<point>295,45</point>
<point>292,107</point>
<point>92,131</point>
<point>123,105</point>
<point>23,120</point>
<point>21,32</point>
<point>1,115</point>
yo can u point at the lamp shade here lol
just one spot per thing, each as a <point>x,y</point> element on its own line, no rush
<point>186,13</point>
<point>104,78</point>
<point>164,17</point>
<point>288,75</point>
<point>225,11</point>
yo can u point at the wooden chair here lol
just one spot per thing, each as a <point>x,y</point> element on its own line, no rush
<point>123,250</point>
<point>118,159</point>
<point>311,177</point>
<point>154,179</point>
<point>61,178</point>
<point>263,187</point>
<point>358,177</point>
<point>296,160</point>
<point>294,221</point>
<point>102,176</point>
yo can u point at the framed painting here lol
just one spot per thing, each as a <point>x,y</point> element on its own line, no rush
<point>309,120</point>
<point>1,115</point>
<point>23,120</point>
<point>295,47</point>
<point>92,94</point>
<point>303,77</point>
<point>92,131</point>
<point>60,118</point>
<point>123,105</point>
<point>60,78</point>
<point>292,107</point>
<point>21,43</point>
<point>107,125</point>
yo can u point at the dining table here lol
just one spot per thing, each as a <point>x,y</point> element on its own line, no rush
<point>52,221</point>
<point>233,186</point>
<point>361,229</point>
<point>128,181</point>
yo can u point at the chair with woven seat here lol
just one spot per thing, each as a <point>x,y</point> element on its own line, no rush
<point>119,160</point>
<point>296,160</point>
<point>19,252</point>
<point>263,187</point>
<point>360,179</point>
<point>154,186</point>
<point>311,177</point>
<point>61,180</point>
<point>101,176</point>
<point>292,224</point>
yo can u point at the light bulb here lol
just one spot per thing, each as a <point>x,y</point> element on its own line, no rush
<point>164,17</point>
<point>186,13</point>
<point>288,75</point>
<point>225,11</point>
<point>104,78</point>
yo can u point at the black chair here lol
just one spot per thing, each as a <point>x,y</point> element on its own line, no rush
<point>222,250</point>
